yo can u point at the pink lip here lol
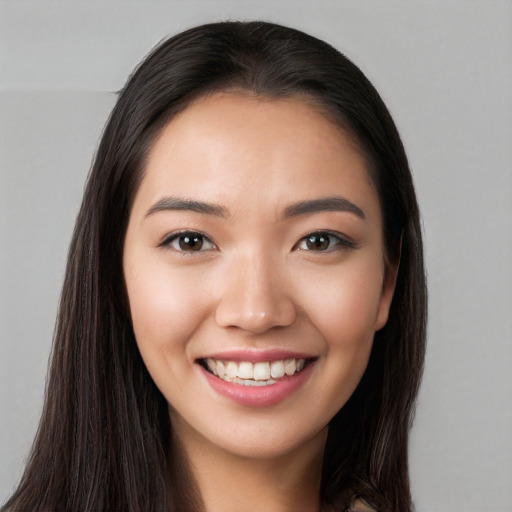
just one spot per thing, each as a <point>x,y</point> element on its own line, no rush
<point>257,356</point>
<point>258,396</point>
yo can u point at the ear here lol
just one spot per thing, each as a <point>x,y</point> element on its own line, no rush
<point>388,289</point>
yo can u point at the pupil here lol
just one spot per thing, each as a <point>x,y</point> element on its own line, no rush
<point>317,242</point>
<point>191,242</point>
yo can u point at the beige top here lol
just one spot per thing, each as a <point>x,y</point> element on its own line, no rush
<point>360,505</point>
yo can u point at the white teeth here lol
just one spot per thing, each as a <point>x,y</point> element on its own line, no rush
<point>289,366</point>
<point>257,374</point>
<point>231,369</point>
<point>245,370</point>
<point>257,383</point>
<point>221,371</point>
<point>212,365</point>
<point>277,369</point>
<point>262,371</point>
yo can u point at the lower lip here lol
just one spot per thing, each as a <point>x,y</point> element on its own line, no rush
<point>258,396</point>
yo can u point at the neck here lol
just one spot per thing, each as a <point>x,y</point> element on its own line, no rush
<point>227,482</point>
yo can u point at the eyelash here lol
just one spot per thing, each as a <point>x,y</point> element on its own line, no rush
<point>183,235</point>
<point>340,242</point>
<point>334,241</point>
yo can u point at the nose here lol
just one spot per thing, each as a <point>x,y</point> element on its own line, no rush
<point>255,297</point>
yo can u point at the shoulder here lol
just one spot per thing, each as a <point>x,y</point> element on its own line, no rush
<point>359,504</point>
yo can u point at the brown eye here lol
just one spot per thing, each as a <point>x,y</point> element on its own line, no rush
<point>193,242</point>
<point>318,242</point>
<point>324,241</point>
<point>187,242</point>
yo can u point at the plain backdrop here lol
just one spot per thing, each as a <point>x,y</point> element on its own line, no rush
<point>444,68</point>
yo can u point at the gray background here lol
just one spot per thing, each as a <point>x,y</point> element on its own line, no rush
<point>445,70</point>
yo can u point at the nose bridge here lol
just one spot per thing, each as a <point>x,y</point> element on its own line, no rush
<point>255,296</point>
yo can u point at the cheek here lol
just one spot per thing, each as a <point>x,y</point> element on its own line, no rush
<point>165,309</point>
<point>346,322</point>
<point>345,307</point>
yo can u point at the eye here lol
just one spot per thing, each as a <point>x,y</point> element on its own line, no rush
<point>323,241</point>
<point>188,241</point>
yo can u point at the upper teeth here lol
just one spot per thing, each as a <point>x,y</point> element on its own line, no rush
<point>264,371</point>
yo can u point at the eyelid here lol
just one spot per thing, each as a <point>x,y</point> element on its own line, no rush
<point>175,235</point>
<point>343,241</point>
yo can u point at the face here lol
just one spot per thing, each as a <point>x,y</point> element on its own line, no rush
<point>254,266</point>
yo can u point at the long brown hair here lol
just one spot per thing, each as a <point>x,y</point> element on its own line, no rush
<point>103,442</point>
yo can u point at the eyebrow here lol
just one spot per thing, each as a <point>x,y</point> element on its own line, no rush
<point>178,203</point>
<point>329,204</point>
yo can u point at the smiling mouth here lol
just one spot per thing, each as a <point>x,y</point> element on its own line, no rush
<point>245,373</point>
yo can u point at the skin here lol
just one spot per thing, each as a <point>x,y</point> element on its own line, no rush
<point>255,285</point>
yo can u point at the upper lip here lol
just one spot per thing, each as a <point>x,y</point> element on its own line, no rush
<point>257,356</point>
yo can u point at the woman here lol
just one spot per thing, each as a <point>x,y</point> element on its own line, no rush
<point>242,322</point>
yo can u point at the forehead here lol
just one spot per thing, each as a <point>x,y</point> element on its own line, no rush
<point>235,146</point>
